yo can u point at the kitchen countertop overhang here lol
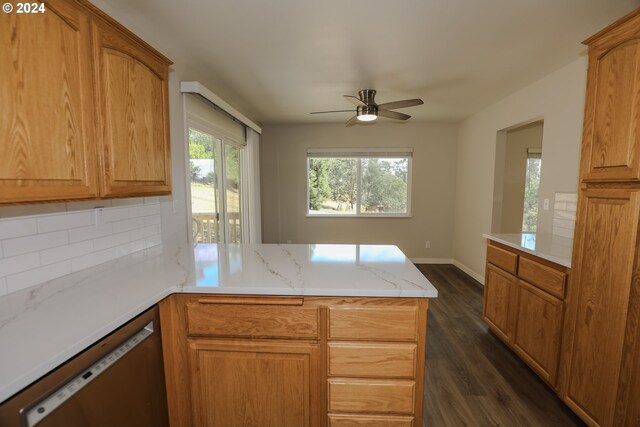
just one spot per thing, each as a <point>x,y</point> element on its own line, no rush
<point>43,326</point>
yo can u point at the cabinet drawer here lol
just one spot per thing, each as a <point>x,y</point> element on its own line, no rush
<point>508,261</point>
<point>546,278</point>
<point>378,396</point>
<point>337,420</point>
<point>372,360</point>
<point>379,323</point>
<point>247,319</point>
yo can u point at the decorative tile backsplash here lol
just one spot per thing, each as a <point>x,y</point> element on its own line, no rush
<point>38,248</point>
<point>564,214</point>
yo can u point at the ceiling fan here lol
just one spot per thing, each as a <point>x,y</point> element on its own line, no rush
<point>367,110</point>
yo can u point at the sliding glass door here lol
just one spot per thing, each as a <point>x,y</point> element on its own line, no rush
<point>215,171</point>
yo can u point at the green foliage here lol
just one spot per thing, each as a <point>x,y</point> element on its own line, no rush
<point>319,189</point>
<point>200,145</point>
<point>532,185</point>
<point>383,186</point>
<point>195,171</point>
<point>232,166</point>
<point>343,180</point>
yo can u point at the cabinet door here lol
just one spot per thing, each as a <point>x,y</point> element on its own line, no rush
<point>499,295</point>
<point>254,383</point>
<point>605,250</point>
<point>46,125</point>
<point>133,116</point>
<point>612,134</point>
<point>539,330</point>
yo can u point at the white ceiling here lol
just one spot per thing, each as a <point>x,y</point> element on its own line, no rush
<point>278,60</point>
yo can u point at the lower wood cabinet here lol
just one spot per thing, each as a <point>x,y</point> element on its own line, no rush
<point>294,362</point>
<point>539,330</point>
<point>527,315</point>
<point>499,291</point>
<point>240,383</point>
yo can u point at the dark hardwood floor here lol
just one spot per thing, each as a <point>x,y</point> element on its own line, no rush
<point>472,379</point>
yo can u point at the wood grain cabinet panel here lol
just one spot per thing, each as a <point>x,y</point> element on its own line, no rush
<point>134,116</point>
<point>256,321</point>
<point>612,110</point>
<point>337,420</point>
<point>539,330</point>
<point>46,126</point>
<point>508,261</point>
<point>371,396</point>
<point>606,240</point>
<point>546,278</point>
<point>245,383</point>
<point>386,360</point>
<point>375,323</point>
<point>499,301</point>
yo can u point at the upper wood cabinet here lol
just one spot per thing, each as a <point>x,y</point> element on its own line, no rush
<point>47,116</point>
<point>133,116</point>
<point>611,144</point>
<point>84,108</point>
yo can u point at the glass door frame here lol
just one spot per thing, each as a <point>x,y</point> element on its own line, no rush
<point>220,164</point>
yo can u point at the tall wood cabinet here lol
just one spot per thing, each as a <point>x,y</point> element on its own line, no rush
<point>84,107</point>
<point>600,369</point>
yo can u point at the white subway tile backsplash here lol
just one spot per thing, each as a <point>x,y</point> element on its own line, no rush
<point>128,224</point>
<point>37,275</point>
<point>144,210</point>
<point>111,241</point>
<point>41,246</point>
<point>94,258</point>
<point>37,242</point>
<point>564,214</point>
<point>115,214</point>
<point>64,221</point>
<point>19,263</point>
<point>49,256</point>
<point>10,228</point>
<point>91,232</point>
<point>153,241</point>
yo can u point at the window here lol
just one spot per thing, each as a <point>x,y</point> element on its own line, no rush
<point>531,187</point>
<point>369,182</point>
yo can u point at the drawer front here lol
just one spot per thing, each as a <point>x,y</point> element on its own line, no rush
<point>256,321</point>
<point>380,323</point>
<point>372,360</point>
<point>508,261</point>
<point>337,420</point>
<point>371,396</point>
<point>546,278</point>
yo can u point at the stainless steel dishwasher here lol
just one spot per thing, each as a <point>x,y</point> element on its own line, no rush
<point>117,382</point>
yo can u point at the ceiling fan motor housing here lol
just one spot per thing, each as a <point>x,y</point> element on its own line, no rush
<point>367,109</point>
<point>368,96</point>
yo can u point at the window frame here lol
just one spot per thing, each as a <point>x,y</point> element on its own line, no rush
<point>360,153</point>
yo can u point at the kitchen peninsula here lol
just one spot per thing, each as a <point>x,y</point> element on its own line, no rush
<point>349,320</point>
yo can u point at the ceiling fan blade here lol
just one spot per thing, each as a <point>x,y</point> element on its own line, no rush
<point>352,121</point>
<point>334,111</point>
<point>393,115</point>
<point>355,100</point>
<point>400,104</point>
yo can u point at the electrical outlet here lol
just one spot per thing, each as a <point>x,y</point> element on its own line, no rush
<point>427,244</point>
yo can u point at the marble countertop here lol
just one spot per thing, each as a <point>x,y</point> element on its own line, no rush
<point>552,248</point>
<point>43,326</point>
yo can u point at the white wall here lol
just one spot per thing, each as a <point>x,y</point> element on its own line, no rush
<point>558,99</point>
<point>284,186</point>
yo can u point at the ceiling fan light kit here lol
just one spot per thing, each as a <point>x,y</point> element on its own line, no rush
<point>367,110</point>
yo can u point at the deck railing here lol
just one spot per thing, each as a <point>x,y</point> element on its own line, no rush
<point>206,227</point>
